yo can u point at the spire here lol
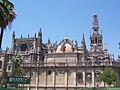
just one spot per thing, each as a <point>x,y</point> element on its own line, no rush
<point>39,40</point>
<point>40,33</point>
<point>13,35</point>
<point>76,44</point>
<point>83,40</point>
<point>95,23</point>
<point>96,37</point>
<point>21,35</point>
<point>49,42</point>
<point>83,47</point>
<point>35,36</point>
<point>35,41</point>
<point>28,35</point>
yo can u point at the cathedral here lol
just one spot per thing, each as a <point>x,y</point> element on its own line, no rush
<point>63,65</point>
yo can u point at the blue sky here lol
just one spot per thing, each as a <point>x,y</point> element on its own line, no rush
<point>71,18</point>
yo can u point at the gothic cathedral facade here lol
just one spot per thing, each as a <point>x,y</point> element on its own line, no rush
<point>63,65</point>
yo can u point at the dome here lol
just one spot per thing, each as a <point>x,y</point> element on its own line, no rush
<point>65,46</point>
<point>68,48</point>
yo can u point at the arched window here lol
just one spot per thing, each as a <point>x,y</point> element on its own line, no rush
<point>23,47</point>
<point>96,40</point>
<point>0,64</point>
<point>88,61</point>
<point>99,41</point>
<point>80,77</point>
<point>91,41</point>
<point>88,76</point>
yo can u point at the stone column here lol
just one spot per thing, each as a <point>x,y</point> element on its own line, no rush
<point>93,63</point>
<point>66,79</point>
<point>46,78</point>
<point>93,79</point>
<point>28,87</point>
<point>54,78</point>
<point>84,80</point>
<point>75,79</point>
<point>36,81</point>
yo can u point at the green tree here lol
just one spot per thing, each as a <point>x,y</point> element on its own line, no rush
<point>7,15</point>
<point>17,69</point>
<point>108,76</point>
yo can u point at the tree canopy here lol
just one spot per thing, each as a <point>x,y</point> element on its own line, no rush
<point>17,69</point>
<point>17,65</point>
<point>108,76</point>
<point>7,15</point>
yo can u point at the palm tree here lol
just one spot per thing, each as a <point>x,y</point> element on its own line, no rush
<point>17,69</point>
<point>7,15</point>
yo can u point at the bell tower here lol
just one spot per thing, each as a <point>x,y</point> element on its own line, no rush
<point>95,24</point>
<point>96,37</point>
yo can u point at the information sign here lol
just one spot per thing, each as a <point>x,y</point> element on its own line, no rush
<point>18,80</point>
